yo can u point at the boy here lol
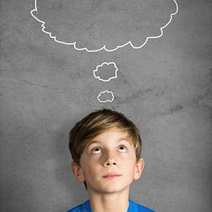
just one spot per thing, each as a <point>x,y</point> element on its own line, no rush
<point>105,148</point>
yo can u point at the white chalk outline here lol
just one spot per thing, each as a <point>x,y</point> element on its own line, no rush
<point>101,65</point>
<point>104,46</point>
<point>103,92</point>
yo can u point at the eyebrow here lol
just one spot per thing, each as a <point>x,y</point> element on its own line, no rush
<point>119,140</point>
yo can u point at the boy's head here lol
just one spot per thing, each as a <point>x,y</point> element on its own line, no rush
<point>107,126</point>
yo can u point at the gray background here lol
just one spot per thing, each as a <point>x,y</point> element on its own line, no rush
<point>165,88</point>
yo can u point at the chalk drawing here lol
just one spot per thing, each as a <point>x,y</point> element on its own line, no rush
<point>74,43</point>
<point>110,97</point>
<point>108,94</point>
<point>100,66</point>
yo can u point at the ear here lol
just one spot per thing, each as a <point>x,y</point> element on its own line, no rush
<point>139,167</point>
<point>77,171</point>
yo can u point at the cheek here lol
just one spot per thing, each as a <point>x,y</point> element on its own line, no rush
<point>130,173</point>
<point>129,167</point>
<point>128,158</point>
<point>92,173</point>
<point>90,168</point>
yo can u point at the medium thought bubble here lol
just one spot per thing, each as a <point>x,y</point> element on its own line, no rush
<point>95,25</point>
<point>106,71</point>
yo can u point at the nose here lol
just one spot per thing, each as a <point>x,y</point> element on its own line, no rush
<point>110,161</point>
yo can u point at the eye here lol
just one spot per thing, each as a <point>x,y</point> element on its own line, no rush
<point>96,150</point>
<point>123,148</point>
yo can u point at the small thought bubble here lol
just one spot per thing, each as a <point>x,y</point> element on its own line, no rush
<point>95,25</point>
<point>105,96</point>
<point>106,71</point>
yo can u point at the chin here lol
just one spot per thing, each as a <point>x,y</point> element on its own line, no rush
<point>111,188</point>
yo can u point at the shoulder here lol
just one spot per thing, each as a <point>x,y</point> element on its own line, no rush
<point>134,206</point>
<point>83,207</point>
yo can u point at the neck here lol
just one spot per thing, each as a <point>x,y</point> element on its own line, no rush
<point>109,202</point>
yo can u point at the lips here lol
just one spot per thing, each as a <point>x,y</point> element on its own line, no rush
<point>111,175</point>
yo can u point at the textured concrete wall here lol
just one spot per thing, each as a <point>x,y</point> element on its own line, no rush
<point>165,88</point>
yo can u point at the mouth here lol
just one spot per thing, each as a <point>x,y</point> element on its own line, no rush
<point>111,176</point>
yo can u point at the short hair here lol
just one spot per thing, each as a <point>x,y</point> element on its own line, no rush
<point>96,123</point>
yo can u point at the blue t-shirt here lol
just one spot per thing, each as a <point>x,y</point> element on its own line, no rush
<point>133,207</point>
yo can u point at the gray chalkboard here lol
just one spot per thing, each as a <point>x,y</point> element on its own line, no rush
<point>52,70</point>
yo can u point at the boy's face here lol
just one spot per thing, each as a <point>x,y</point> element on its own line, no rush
<point>109,153</point>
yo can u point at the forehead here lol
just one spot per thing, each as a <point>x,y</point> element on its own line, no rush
<point>114,135</point>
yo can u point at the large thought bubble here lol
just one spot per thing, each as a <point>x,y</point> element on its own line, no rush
<point>95,25</point>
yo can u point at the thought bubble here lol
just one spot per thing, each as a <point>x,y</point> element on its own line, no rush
<point>105,96</point>
<point>106,71</point>
<point>95,25</point>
